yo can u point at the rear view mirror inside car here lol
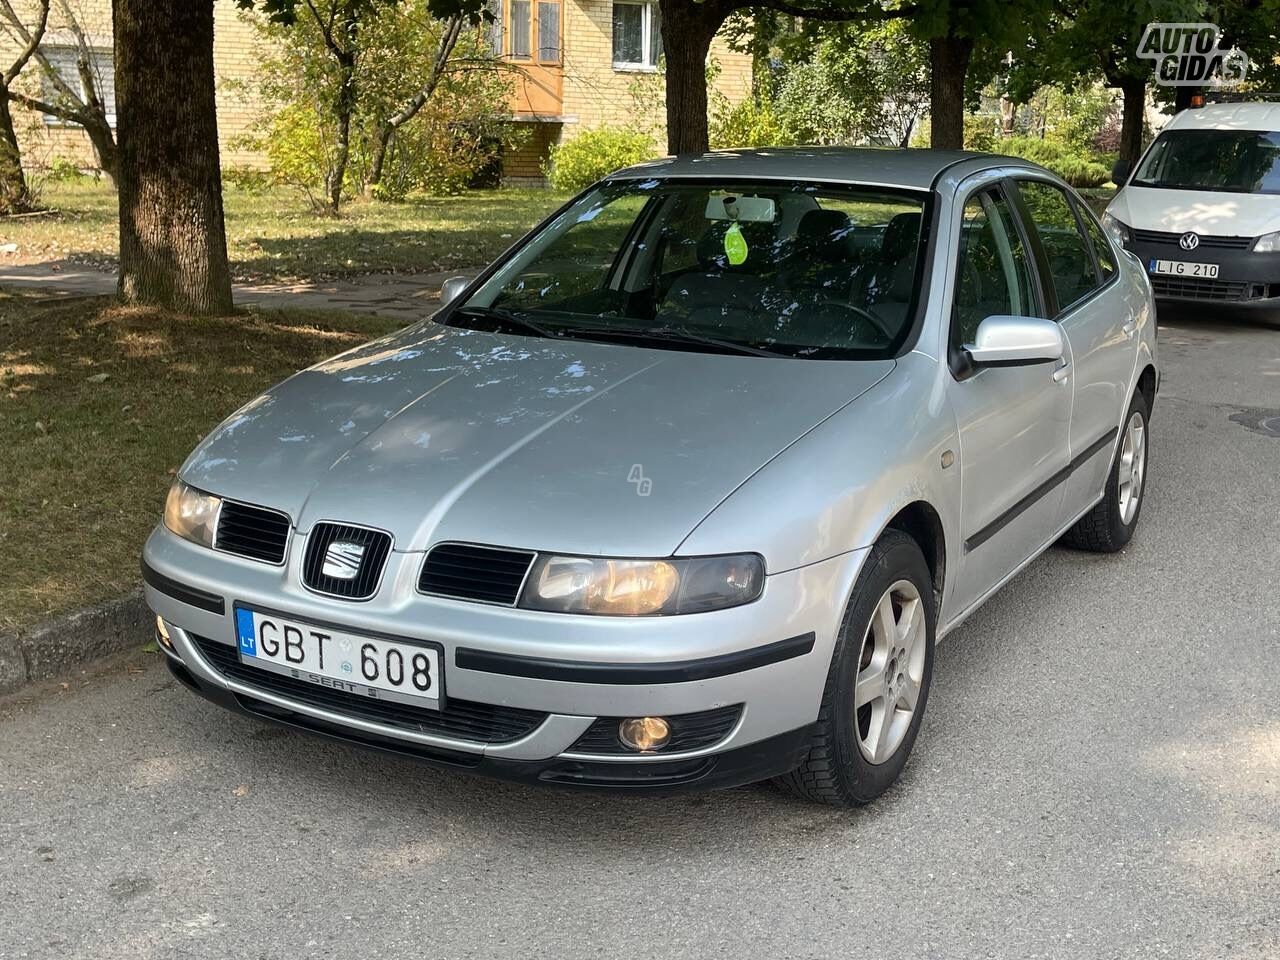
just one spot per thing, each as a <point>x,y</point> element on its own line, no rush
<point>740,208</point>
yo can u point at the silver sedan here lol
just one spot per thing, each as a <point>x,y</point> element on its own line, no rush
<point>683,489</point>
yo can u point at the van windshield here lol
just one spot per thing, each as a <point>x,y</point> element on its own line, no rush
<point>1227,161</point>
<point>766,267</point>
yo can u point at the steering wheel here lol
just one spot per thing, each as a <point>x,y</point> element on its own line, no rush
<point>864,314</point>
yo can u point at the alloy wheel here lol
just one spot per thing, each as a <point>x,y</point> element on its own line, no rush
<point>890,672</point>
<point>1133,465</point>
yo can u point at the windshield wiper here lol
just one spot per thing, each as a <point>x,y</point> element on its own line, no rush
<point>671,335</point>
<point>505,317</point>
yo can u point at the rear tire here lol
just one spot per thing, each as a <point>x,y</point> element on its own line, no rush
<point>1109,526</point>
<point>882,663</point>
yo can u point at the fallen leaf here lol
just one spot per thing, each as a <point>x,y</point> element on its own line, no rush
<point>99,378</point>
<point>241,791</point>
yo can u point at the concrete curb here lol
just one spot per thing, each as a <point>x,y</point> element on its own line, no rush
<point>55,647</point>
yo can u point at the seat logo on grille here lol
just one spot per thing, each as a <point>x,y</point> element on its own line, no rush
<point>1189,241</point>
<point>342,560</point>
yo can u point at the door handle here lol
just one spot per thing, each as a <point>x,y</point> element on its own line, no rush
<point>1062,371</point>
<point>1130,328</point>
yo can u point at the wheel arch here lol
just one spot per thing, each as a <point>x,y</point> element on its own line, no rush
<point>1147,384</point>
<point>920,521</point>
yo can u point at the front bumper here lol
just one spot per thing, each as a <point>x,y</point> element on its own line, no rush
<point>770,657</point>
<point>1245,281</point>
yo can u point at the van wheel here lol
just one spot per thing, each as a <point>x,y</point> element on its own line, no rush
<point>1110,524</point>
<point>878,683</point>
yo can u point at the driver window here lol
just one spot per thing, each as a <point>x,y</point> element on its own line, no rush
<point>992,274</point>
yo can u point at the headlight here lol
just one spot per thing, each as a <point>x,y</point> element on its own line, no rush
<point>1267,243</point>
<point>192,514</point>
<point>1118,230</point>
<point>639,588</point>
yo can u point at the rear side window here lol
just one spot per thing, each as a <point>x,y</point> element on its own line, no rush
<point>1069,253</point>
<point>992,276</point>
<point>1106,259</point>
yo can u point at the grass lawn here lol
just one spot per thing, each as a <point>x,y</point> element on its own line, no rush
<point>99,404</point>
<point>273,234</point>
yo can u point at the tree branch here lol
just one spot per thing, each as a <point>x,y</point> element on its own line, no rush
<point>832,14</point>
<point>31,38</point>
<point>448,40</point>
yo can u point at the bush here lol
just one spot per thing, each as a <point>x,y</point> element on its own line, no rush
<point>594,154</point>
<point>747,124</point>
<point>61,169</point>
<point>981,131</point>
<point>1074,166</point>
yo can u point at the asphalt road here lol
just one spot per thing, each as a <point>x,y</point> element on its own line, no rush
<point>1098,776</point>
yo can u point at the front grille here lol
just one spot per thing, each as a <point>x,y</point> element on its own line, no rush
<point>469,572</point>
<point>1209,242</point>
<point>254,532</point>
<point>1198,288</point>
<point>463,719</point>
<point>689,731</point>
<point>376,544</point>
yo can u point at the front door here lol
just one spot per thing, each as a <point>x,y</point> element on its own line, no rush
<point>1096,320</point>
<point>1013,422</point>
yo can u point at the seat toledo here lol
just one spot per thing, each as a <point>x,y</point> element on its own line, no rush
<point>683,489</point>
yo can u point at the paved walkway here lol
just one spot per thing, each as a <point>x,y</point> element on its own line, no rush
<point>407,295</point>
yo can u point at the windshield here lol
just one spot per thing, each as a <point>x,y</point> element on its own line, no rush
<point>782,268</point>
<point>1230,161</point>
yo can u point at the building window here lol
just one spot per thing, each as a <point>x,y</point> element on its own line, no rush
<point>62,59</point>
<point>518,30</point>
<point>637,36</point>
<point>549,32</point>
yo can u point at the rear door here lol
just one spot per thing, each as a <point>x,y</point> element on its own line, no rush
<point>1013,422</point>
<point>1079,267</point>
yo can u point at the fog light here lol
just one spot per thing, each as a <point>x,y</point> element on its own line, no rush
<point>645,734</point>
<point>162,633</point>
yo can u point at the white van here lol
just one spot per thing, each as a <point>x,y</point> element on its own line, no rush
<point>1202,208</point>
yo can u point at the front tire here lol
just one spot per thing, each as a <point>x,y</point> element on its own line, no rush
<point>878,683</point>
<point>1109,526</point>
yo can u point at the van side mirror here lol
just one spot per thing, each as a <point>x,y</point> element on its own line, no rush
<point>452,288</point>
<point>1015,342</point>
<point>1120,172</point>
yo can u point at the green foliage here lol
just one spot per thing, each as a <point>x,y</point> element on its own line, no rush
<point>981,132</point>
<point>1077,168</point>
<point>458,129</point>
<point>594,154</point>
<point>250,180</point>
<point>854,83</point>
<point>64,169</point>
<point>749,123</point>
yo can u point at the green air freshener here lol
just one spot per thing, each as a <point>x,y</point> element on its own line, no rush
<point>735,245</point>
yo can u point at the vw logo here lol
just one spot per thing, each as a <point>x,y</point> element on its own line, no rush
<point>342,560</point>
<point>1189,241</point>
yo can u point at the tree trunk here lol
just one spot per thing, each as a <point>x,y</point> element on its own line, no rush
<point>948,64</point>
<point>344,106</point>
<point>104,145</point>
<point>380,144</point>
<point>173,244</point>
<point>1134,92</point>
<point>687,31</point>
<point>14,195</point>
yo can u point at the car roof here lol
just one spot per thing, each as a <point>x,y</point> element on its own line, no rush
<point>1228,116</point>
<point>882,166</point>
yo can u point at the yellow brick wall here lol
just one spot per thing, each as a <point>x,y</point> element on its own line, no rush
<point>235,41</point>
<point>594,92</point>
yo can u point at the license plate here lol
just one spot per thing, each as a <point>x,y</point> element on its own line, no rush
<point>366,666</point>
<point>1182,268</point>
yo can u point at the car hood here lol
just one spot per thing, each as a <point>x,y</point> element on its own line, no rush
<point>437,433</point>
<point>1211,214</point>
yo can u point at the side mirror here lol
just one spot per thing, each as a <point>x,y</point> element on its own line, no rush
<point>452,288</point>
<point>1016,342</point>
<point>1120,172</point>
